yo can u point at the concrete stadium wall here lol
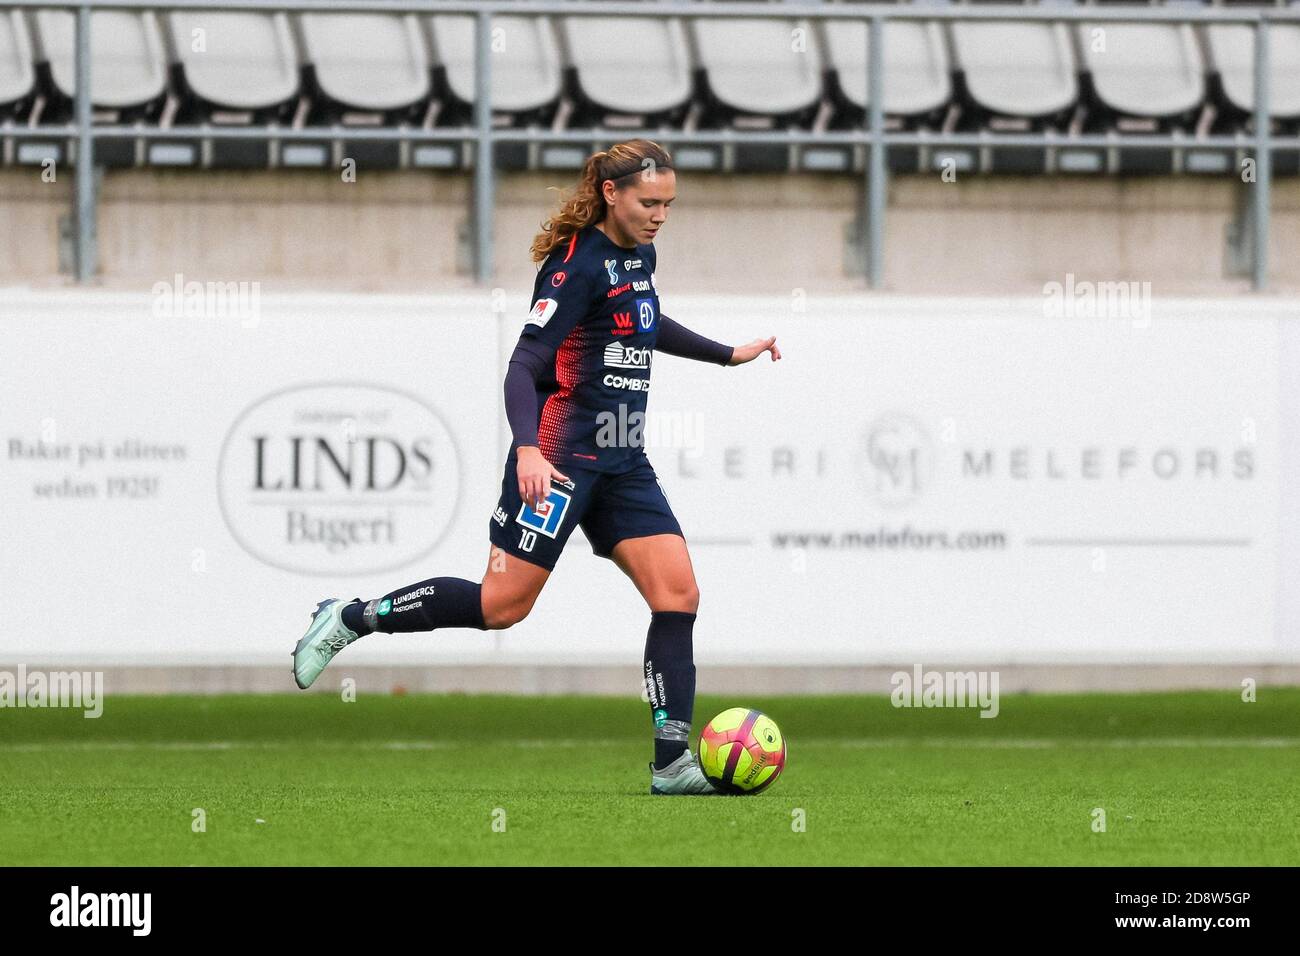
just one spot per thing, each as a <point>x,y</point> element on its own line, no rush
<point>399,231</point>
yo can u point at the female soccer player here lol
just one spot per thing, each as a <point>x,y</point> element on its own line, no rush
<point>575,397</point>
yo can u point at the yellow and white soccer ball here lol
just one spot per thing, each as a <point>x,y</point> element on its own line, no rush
<point>742,751</point>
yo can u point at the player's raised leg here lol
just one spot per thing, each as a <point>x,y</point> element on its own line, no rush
<point>503,598</point>
<point>660,567</point>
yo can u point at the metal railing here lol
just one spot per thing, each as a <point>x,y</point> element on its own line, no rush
<point>874,136</point>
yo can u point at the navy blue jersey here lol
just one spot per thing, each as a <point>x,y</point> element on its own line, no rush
<point>595,303</point>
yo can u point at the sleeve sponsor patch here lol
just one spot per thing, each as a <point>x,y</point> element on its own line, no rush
<point>542,311</point>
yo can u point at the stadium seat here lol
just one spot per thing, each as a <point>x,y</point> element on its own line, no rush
<point>128,67</point>
<point>17,67</point>
<point>1141,78</point>
<point>1015,76</point>
<point>1016,72</point>
<point>128,72</point>
<point>247,66</point>
<point>526,80</point>
<point>607,88</point>
<point>918,82</point>
<point>1144,76</point>
<point>758,74</point>
<point>364,70</point>
<point>240,70</point>
<point>917,76</point>
<point>1231,49</point>
<point>367,67</point>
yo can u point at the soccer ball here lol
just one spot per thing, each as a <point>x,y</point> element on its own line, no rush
<point>741,751</point>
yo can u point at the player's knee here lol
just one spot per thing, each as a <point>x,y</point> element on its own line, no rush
<point>499,615</point>
<point>692,598</point>
<point>679,596</point>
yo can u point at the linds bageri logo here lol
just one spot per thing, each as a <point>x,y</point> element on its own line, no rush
<point>338,479</point>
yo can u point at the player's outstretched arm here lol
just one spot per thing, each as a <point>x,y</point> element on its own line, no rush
<point>676,339</point>
<point>747,353</point>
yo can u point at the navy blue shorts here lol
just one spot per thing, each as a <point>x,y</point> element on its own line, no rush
<point>608,506</point>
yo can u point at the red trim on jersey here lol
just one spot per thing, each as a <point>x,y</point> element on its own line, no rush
<point>552,426</point>
<point>573,243</point>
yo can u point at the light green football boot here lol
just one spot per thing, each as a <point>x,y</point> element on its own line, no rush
<point>326,636</point>
<point>683,777</point>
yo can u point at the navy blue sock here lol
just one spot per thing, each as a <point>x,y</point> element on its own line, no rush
<point>354,618</point>
<point>670,682</point>
<point>431,604</point>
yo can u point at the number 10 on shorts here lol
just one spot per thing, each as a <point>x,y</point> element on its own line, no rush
<point>548,518</point>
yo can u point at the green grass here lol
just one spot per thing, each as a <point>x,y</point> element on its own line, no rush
<point>1185,779</point>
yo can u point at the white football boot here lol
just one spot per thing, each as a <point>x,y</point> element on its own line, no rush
<point>683,777</point>
<point>326,636</point>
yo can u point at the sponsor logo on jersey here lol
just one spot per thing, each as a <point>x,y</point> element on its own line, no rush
<point>654,285</point>
<point>618,355</point>
<point>548,518</point>
<point>623,324</point>
<point>557,280</point>
<point>542,311</point>
<point>609,267</point>
<point>645,314</point>
<point>631,384</point>
<point>618,290</point>
<point>630,264</point>
<point>499,516</point>
<point>641,285</point>
<point>564,484</point>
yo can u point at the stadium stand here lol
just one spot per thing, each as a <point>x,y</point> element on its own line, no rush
<point>268,70</point>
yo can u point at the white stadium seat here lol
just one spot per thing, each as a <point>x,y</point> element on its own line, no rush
<point>247,61</point>
<point>917,74</point>
<point>17,64</point>
<point>526,72</point>
<point>128,65</point>
<point>1017,69</point>
<point>759,66</point>
<point>366,61</point>
<point>1232,55</point>
<point>656,82</point>
<point>1144,69</point>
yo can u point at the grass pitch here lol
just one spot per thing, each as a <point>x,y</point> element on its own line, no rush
<point>1184,779</point>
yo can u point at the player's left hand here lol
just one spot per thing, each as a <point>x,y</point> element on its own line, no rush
<point>747,353</point>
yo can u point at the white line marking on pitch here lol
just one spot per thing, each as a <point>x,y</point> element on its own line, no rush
<point>855,743</point>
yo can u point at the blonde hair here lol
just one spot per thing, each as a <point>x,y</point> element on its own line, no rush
<point>586,205</point>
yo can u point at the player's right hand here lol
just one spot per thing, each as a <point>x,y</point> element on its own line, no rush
<point>535,473</point>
